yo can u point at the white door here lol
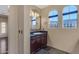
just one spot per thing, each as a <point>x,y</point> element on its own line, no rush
<point>21,29</point>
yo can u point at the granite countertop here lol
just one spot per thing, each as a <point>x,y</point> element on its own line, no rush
<point>36,33</point>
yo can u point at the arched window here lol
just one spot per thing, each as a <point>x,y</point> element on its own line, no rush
<point>70,17</point>
<point>53,17</point>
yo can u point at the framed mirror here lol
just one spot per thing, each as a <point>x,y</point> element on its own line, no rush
<point>35,20</point>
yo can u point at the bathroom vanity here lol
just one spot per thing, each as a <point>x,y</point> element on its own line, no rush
<point>38,40</point>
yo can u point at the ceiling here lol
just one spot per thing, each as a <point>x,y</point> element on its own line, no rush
<point>41,6</point>
<point>4,8</point>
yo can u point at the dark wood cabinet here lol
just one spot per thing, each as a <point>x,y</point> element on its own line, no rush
<point>38,42</point>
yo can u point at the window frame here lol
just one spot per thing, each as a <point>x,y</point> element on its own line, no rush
<point>69,14</point>
<point>53,16</point>
<point>1,28</point>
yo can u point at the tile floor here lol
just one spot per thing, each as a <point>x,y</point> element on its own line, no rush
<point>50,51</point>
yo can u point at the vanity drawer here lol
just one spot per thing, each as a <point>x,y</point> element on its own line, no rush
<point>38,41</point>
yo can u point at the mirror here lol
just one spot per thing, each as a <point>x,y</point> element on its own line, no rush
<point>35,20</point>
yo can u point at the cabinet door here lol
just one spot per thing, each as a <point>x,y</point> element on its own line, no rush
<point>44,40</point>
<point>38,39</point>
<point>33,44</point>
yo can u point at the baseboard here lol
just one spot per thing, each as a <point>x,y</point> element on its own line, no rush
<point>58,49</point>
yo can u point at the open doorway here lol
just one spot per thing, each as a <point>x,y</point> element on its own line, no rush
<point>3,29</point>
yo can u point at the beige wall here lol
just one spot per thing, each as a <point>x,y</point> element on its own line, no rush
<point>27,26</point>
<point>62,39</point>
<point>13,30</point>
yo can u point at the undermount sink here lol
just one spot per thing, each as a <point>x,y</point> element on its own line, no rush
<point>37,33</point>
